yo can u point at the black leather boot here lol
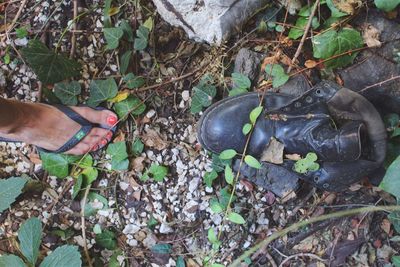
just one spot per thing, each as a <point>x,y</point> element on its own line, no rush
<point>340,126</point>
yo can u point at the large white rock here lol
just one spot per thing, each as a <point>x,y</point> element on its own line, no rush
<point>211,21</point>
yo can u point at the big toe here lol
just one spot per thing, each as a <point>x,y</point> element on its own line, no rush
<point>105,118</point>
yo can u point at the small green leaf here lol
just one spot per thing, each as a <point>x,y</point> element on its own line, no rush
<point>212,237</point>
<point>49,66</point>
<point>137,147</point>
<point>114,258</point>
<point>180,262</point>
<point>226,197</point>
<point>149,23</point>
<point>391,181</point>
<point>331,43</point>
<point>336,13</point>
<point>64,256</point>
<point>247,128</point>
<point>307,164</point>
<point>396,261</point>
<point>132,81</point>
<point>228,174</point>
<point>158,172</point>
<point>112,36</point>
<point>11,261</point>
<point>97,229</point>
<point>209,177</point>
<point>219,164</point>
<point>101,90</point>
<point>152,222</point>
<point>301,23</point>
<point>279,77</point>
<point>252,162</point>
<point>215,206</point>
<point>21,32</point>
<point>10,189</point>
<point>127,30</point>
<point>57,164</point>
<point>77,186</point>
<point>30,237</point>
<point>279,28</point>
<point>131,105</point>
<point>247,261</point>
<point>67,92</point>
<point>202,94</point>
<point>237,91</point>
<point>107,240</point>
<point>119,156</point>
<point>387,5</point>
<point>162,249</point>
<point>241,81</point>
<point>255,113</point>
<point>227,154</point>
<point>236,218</point>
<point>217,265</point>
<point>125,60</point>
<point>142,38</point>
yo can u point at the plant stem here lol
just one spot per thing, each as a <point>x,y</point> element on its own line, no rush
<point>83,227</point>
<point>300,224</point>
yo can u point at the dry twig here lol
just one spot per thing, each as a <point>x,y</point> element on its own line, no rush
<point>83,227</point>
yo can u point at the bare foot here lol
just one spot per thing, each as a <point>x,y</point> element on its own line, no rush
<point>47,127</point>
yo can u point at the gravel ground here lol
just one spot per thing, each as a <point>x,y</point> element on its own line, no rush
<point>180,205</point>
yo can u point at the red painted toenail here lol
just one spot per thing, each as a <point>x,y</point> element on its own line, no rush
<point>109,135</point>
<point>111,120</point>
<point>103,142</point>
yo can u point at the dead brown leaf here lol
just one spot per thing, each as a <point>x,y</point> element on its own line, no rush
<point>295,157</point>
<point>347,6</point>
<point>137,164</point>
<point>371,35</point>
<point>35,158</point>
<point>385,226</point>
<point>273,152</point>
<point>119,137</point>
<point>153,139</point>
<point>310,63</point>
<point>270,60</point>
<point>137,194</point>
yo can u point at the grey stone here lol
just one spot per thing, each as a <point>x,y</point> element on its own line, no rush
<point>247,63</point>
<point>2,80</point>
<point>296,86</point>
<point>376,65</point>
<point>211,21</point>
<point>274,178</point>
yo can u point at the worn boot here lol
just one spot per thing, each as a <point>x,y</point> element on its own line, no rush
<point>340,126</point>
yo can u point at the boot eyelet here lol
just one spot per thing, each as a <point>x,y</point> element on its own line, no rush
<point>318,92</point>
<point>287,109</point>
<point>325,185</point>
<point>316,179</point>
<point>297,104</point>
<point>309,99</point>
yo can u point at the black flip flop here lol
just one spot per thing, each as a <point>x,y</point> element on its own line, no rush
<point>86,126</point>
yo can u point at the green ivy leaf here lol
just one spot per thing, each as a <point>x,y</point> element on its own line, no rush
<point>107,240</point>
<point>215,206</point>
<point>279,77</point>
<point>141,41</point>
<point>67,92</point>
<point>101,90</point>
<point>255,113</point>
<point>162,249</point>
<point>77,186</point>
<point>241,81</point>
<point>57,164</point>
<point>119,156</point>
<point>252,162</point>
<point>209,177</point>
<point>219,164</point>
<point>10,189</point>
<point>212,237</point>
<point>158,172</point>
<point>152,222</point>
<point>391,181</point>
<point>49,66</point>
<point>301,23</point>
<point>180,262</point>
<point>307,164</point>
<point>237,91</point>
<point>114,258</point>
<point>236,218</point>
<point>246,128</point>
<point>64,256</point>
<point>137,147</point>
<point>227,154</point>
<point>203,94</point>
<point>30,237</point>
<point>127,30</point>
<point>228,175</point>
<point>132,81</point>
<point>131,105</point>
<point>112,36</point>
<point>336,13</point>
<point>387,5</point>
<point>11,261</point>
<point>396,261</point>
<point>217,265</point>
<point>21,32</point>
<point>331,43</point>
<point>125,59</point>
